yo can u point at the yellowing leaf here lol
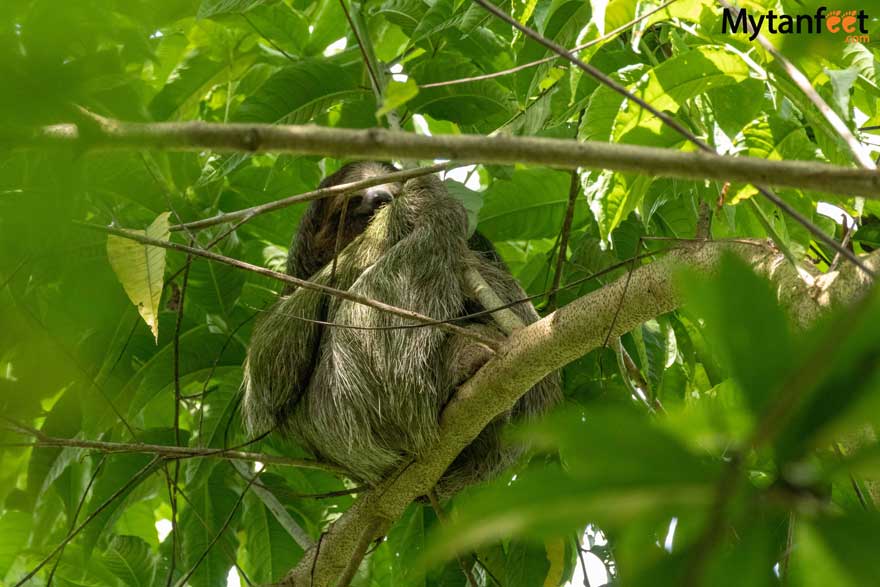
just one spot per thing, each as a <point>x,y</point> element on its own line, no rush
<point>556,555</point>
<point>141,269</point>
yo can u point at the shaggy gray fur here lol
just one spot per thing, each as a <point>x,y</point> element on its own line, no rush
<point>368,399</point>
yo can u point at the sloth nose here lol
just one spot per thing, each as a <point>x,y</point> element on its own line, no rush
<point>376,197</point>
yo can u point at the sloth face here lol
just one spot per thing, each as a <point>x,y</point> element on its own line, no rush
<point>329,219</point>
<point>361,204</point>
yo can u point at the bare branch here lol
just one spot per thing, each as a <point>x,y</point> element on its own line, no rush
<point>378,143</point>
<point>246,214</point>
<point>305,284</point>
<point>562,253</point>
<point>179,452</point>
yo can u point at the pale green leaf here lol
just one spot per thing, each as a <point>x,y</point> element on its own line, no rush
<point>141,269</point>
<point>397,94</point>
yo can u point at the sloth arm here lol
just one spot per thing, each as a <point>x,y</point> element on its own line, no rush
<point>284,352</point>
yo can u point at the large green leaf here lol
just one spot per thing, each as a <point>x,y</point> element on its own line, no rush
<point>212,505</point>
<point>747,328</point>
<point>296,93</point>
<point>530,205</point>
<point>114,475</point>
<point>606,482</point>
<point>131,560</point>
<point>271,552</point>
<point>669,85</point>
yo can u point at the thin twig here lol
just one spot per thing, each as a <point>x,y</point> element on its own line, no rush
<point>580,551</point>
<point>195,512</point>
<point>175,359</point>
<point>561,254</point>
<point>267,38</point>
<point>305,284</point>
<point>246,214</point>
<point>72,534</point>
<point>377,87</point>
<point>79,506</point>
<point>182,581</point>
<point>180,452</point>
<point>847,235</point>
<point>673,124</point>
<point>607,36</point>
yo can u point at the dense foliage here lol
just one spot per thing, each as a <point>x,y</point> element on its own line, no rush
<point>716,446</point>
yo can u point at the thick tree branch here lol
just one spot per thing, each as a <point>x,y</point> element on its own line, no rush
<point>540,348</point>
<point>377,143</point>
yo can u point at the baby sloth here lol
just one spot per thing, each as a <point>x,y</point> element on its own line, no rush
<point>369,397</point>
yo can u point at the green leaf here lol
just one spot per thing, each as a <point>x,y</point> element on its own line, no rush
<point>324,19</point>
<point>841,549</point>
<point>669,85</point>
<point>616,195</point>
<point>117,471</point>
<point>746,326</point>
<point>605,482</point>
<point>47,465</point>
<point>199,349</point>
<point>407,14</point>
<point>216,287</point>
<point>213,8</point>
<point>15,528</point>
<point>471,200</point>
<point>270,551</point>
<point>530,205</point>
<point>319,84</point>
<point>220,407</point>
<point>141,269</point>
<point>526,564</point>
<point>397,94</point>
<point>211,505</point>
<point>438,18</point>
<point>132,560</point>
<point>190,82</point>
<point>483,104</point>
<point>842,384</point>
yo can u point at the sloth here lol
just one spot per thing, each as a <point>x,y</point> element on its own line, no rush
<point>362,388</point>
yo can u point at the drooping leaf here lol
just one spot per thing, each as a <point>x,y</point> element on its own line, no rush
<point>141,269</point>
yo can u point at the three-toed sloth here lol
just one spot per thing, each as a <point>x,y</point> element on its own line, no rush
<point>367,394</point>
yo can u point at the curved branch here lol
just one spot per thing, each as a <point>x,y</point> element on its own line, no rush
<point>303,283</point>
<point>549,344</point>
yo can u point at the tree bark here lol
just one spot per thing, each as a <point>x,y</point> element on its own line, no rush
<point>549,344</point>
<point>95,132</point>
